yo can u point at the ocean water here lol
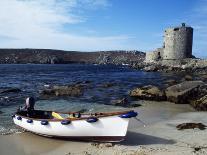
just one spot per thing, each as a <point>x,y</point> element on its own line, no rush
<point>31,79</point>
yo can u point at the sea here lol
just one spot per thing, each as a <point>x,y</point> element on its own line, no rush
<point>31,79</point>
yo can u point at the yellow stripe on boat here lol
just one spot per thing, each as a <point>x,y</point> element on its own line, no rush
<point>56,115</point>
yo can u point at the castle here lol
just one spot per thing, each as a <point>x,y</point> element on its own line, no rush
<point>178,42</point>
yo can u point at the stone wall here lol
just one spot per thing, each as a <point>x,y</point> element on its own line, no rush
<point>154,56</point>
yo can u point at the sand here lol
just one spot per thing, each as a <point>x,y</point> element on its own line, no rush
<point>160,136</point>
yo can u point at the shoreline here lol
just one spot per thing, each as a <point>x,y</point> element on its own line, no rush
<point>160,136</point>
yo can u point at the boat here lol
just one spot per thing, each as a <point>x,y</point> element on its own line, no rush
<point>106,127</point>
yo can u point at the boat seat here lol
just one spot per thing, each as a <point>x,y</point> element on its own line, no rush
<point>56,115</point>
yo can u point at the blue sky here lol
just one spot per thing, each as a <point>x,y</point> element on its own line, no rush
<point>90,25</point>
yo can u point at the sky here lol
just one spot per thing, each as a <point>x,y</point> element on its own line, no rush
<point>93,25</point>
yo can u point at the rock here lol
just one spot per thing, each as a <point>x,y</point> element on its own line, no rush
<point>108,85</point>
<point>203,77</point>
<point>72,90</point>
<point>150,69</point>
<point>184,92</point>
<point>83,82</point>
<point>106,145</point>
<point>148,93</point>
<point>102,145</point>
<point>122,102</point>
<point>200,104</point>
<point>188,78</point>
<point>10,90</point>
<point>191,126</point>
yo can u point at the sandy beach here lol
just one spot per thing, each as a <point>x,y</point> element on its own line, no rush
<point>160,136</point>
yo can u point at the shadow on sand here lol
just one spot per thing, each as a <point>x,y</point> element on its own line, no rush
<point>134,138</point>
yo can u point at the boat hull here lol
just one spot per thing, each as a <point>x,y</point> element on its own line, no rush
<point>111,129</point>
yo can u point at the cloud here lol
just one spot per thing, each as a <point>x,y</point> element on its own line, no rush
<point>40,24</point>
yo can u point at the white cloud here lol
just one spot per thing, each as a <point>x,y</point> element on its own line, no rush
<point>39,24</point>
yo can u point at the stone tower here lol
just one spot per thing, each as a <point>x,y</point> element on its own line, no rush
<point>178,42</point>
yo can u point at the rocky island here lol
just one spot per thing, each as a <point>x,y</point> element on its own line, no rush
<point>49,56</point>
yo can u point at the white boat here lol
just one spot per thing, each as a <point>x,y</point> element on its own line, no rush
<point>110,127</point>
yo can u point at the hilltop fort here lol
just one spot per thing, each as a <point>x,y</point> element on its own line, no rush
<point>177,45</point>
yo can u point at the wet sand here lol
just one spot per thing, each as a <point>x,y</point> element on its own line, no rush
<point>160,136</point>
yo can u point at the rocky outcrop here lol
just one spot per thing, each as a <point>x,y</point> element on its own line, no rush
<point>71,90</point>
<point>185,65</point>
<point>200,104</point>
<point>184,92</point>
<point>148,93</point>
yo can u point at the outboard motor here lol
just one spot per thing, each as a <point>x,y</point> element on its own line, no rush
<point>30,102</point>
<point>29,105</point>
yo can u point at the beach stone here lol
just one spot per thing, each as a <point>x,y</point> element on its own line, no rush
<point>191,126</point>
<point>71,90</point>
<point>102,145</point>
<point>148,93</point>
<point>184,92</point>
<point>121,102</point>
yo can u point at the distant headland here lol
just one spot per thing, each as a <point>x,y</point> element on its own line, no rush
<point>49,56</point>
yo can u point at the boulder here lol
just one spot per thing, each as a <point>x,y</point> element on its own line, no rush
<point>188,78</point>
<point>184,92</point>
<point>200,104</point>
<point>148,93</point>
<point>71,90</point>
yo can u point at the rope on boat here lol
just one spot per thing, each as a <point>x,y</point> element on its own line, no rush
<point>140,121</point>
